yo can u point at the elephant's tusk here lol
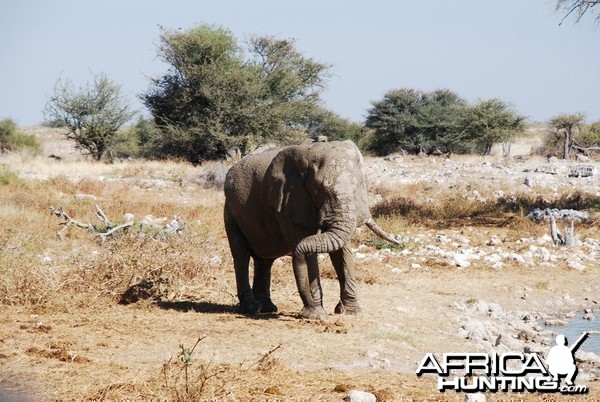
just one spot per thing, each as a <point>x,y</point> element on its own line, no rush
<point>371,224</point>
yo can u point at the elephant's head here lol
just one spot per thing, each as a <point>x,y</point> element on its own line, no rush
<point>320,185</point>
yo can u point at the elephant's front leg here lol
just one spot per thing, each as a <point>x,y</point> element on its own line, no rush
<point>343,262</point>
<point>306,271</point>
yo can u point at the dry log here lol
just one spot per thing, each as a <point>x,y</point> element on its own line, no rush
<point>176,226</point>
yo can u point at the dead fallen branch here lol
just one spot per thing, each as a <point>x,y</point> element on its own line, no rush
<point>113,230</point>
<point>108,228</point>
<point>68,221</point>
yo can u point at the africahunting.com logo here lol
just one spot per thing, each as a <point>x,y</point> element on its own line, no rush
<point>507,372</point>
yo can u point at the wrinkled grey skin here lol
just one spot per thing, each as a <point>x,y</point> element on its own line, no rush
<point>298,201</point>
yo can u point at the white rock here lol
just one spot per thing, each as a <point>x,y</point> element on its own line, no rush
<point>376,361</point>
<point>415,266</point>
<point>476,330</point>
<point>498,265</point>
<point>85,197</point>
<point>587,357</point>
<point>461,260</point>
<point>544,254</point>
<point>575,265</point>
<point>360,396</point>
<point>476,397</point>
<point>495,310</point>
<point>493,258</point>
<point>517,258</point>
<point>216,260</point>
<point>494,241</point>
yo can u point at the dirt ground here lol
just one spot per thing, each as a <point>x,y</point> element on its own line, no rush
<point>193,345</point>
<point>96,352</point>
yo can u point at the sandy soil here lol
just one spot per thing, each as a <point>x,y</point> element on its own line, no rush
<point>404,318</point>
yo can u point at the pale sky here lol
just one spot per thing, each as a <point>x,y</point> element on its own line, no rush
<point>508,49</point>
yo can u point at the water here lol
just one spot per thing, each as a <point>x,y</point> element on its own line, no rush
<point>576,327</point>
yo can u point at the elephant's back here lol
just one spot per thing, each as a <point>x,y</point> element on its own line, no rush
<point>245,177</point>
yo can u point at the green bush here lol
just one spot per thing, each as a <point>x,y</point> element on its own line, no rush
<point>123,144</point>
<point>589,136</point>
<point>415,121</point>
<point>12,138</point>
<point>8,177</point>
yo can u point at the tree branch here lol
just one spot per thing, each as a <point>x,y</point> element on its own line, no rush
<point>110,232</point>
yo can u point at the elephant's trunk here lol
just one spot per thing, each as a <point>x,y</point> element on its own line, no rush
<point>371,224</point>
<point>332,239</point>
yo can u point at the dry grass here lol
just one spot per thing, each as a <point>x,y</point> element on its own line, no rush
<point>64,326</point>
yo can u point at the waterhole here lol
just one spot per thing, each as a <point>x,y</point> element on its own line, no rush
<point>577,326</point>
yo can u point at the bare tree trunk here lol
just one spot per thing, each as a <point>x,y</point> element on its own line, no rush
<point>567,143</point>
<point>506,146</point>
<point>554,232</point>
<point>568,240</point>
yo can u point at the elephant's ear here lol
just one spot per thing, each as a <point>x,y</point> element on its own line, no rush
<point>286,185</point>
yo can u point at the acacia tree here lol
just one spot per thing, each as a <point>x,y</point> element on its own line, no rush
<point>577,7</point>
<point>91,114</point>
<point>219,95</point>
<point>491,121</point>
<point>439,121</point>
<point>564,125</point>
<point>414,121</point>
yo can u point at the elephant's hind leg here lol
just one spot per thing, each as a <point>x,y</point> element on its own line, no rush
<point>343,262</point>
<point>261,286</point>
<point>240,251</point>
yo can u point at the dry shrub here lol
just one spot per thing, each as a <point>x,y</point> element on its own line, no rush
<point>451,210</point>
<point>188,379</point>
<point>135,267</point>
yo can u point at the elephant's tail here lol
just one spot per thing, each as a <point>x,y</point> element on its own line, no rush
<point>371,224</point>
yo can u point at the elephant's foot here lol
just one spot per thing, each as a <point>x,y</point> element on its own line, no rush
<point>267,306</point>
<point>313,313</point>
<point>249,307</point>
<point>254,307</point>
<point>351,310</point>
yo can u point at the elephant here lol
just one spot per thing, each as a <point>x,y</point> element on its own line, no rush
<point>297,201</point>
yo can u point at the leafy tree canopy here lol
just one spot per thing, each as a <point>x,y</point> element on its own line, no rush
<point>565,126</point>
<point>91,114</point>
<point>438,121</point>
<point>218,94</point>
